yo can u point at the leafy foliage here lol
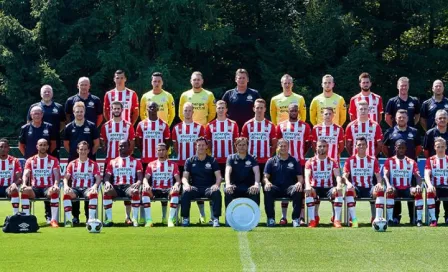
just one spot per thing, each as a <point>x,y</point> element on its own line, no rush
<point>56,42</point>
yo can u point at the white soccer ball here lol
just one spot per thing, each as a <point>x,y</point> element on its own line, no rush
<point>94,226</point>
<point>379,224</point>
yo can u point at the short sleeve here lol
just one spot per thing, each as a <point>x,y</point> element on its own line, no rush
<point>67,133</point>
<point>424,111</point>
<point>95,132</point>
<point>230,160</point>
<point>96,169</point>
<point>352,108</point>
<point>417,105</point>
<point>215,165</point>
<point>187,166</point>
<point>131,136</point>
<point>109,168</point>
<point>17,166</point>
<point>348,133</point>
<point>347,166</point>
<point>166,132</point>
<point>53,133</point>
<point>69,170</point>
<point>176,170</point>
<point>428,164</point>
<point>297,168</point>
<point>23,133</point>
<point>268,166</point>
<point>390,107</point>
<point>386,138</point>
<point>69,106</point>
<point>386,165</point>
<point>376,166</point>
<point>139,166</point>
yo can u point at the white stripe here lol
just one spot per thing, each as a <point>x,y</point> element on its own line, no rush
<point>245,255</point>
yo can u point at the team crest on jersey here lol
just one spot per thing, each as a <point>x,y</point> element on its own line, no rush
<point>194,164</point>
<point>45,132</point>
<point>411,104</point>
<point>73,130</point>
<point>248,163</point>
<point>235,162</point>
<point>410,135</point>
<point>91,104</point>
<point>290,165</point>
<point>55,110</point>
<point>398,105</point>
<point>395,134</point>
<point>87,129</point>
<point>208,166</point>
<point>446,106</point>
<point>249,98</point>
<point>369,165</point>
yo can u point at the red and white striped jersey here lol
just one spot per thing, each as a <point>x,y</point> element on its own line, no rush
<point>41,170</point>
<point>361,170</point>
<point>401,171</point>
<point>162,173</point>
<point>112,133</point>
<point>81,173</point>
<point>375,106</point>
<point>332,134</point>
<point>127,97</point>
<point>184,135</point>
<point>260,134</point>
<point>221,134</point>
<point>371,130</point>
<point>298,134</point>
<point>8,170</point>
<point>321,171</point>
<point>152,133</point>
<point>439,170</point>
<point>124,170</point>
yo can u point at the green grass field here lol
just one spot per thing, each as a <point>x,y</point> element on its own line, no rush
<point>203,248</point>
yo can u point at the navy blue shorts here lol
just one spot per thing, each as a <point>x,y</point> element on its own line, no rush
<point>362,192</point>
<point>123,190</point>
<point>3,193</point>
<point>81,192</point>
<point>323,192</point>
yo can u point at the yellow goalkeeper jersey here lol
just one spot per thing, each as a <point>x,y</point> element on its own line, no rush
<point>336,101</point>
<point>166,105</point>
<point>203,105</point>
<point>279,107</point>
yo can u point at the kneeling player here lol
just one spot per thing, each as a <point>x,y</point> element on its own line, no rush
<point>398,172</point>
<point>283,178</point>
<point>10,175</point>
<point>242,174</point>
<point>85,178</point>
<point>319,172</point>
<point>359,172</point>
<point>43,172</point>
<point>436,178</point>
<point>127,180</point>
<point>160,174</point>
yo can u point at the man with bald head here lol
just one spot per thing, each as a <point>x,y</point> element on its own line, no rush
<point>53,113</point>
<point>37,129</point>
<point>94,107</point>
<point>429,108</point>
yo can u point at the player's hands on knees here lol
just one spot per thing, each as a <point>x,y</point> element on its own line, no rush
<point>146,187</point>
<point>67,190</point>
<point>390,189</point>
<point>267,186</point>
<point>187,187</point>
<point>431,189</point>
<point>214,188</point>
<point>94,189</point>
<point>13,187</point>
<point>339,187</point>
<point>175,188</point>
<point>378,188</point>
<point>349,185</point>
<point>230,188</point>
<point>299,187</point>
<point>254,189</point>
<point>418,189</point>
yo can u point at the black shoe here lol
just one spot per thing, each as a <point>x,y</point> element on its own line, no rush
<point>75,221</point>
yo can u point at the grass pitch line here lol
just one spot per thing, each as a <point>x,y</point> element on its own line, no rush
<point>245,255</point>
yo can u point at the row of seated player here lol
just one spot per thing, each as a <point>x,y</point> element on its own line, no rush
<point>201,177</point>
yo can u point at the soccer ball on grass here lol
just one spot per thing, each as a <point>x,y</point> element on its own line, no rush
<point>94,226</point>
<point>379,224</point>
